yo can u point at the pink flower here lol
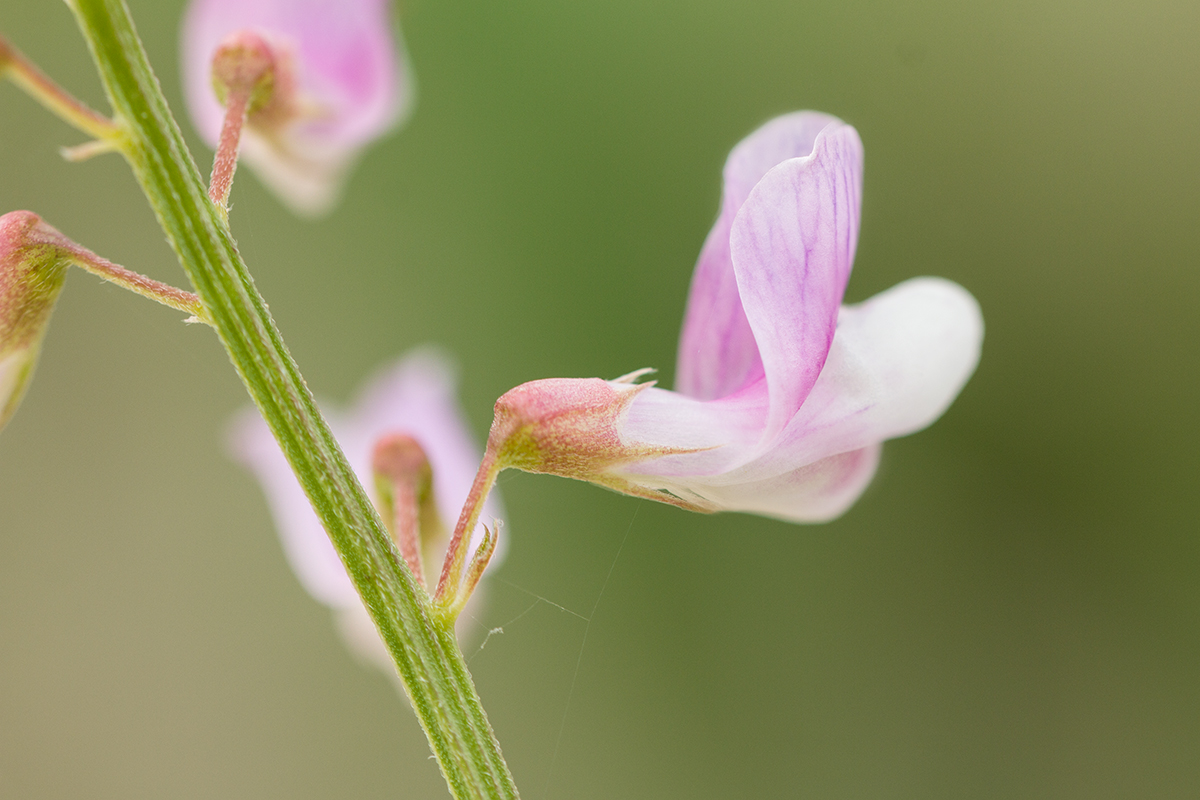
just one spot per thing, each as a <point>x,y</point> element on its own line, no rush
<point>415,397</point>
<point>342,81</point>
<point>784,395</point>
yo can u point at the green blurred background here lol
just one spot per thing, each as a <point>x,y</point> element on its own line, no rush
<point>1011,611</point>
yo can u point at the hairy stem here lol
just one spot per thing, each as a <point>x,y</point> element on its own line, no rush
<point>426,653</point>
<point>25,74</point>
<point>225,161</point>
<point>160,292</point>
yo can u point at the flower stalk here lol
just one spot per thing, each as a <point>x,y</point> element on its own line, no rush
<point>164,293</point>
<point>15,66</point>
<point>424,647</point>
<point>244,75</point>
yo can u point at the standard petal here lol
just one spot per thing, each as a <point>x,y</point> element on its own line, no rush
<point>717,352</point>
<point>783,138</point>
<point>898,361</point>
<point>792,245</point>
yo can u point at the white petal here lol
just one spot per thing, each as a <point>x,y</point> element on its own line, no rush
<point>308,178</point>
<point>721,433</point>
<point>816,492</point>
<point>897,362</point>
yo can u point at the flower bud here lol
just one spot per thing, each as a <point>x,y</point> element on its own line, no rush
<point>405,498</point>
<point>564,426</point>
<point>32,268</point>
<point>574,428</point>
<point>246,62</point>
<point>340,81</point>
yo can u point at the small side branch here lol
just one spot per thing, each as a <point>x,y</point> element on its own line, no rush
<point>168,295</point>
<point>17,67</point>
<point>87,150</point>
<point>160,292</point>
<point>404,487</point>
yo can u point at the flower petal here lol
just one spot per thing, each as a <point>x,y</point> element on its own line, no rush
<point>345,55</point>
<point>712,480</point>
<point>816,492</point>
<point>897,362</point>
<point>792,245</point>
<point>308,178</point>
<point>717,352</point>
<point>783,138</point>
<point>713,435</point>
<point>706,445</point>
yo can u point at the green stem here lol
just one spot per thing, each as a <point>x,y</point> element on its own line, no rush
<point>425,650</point>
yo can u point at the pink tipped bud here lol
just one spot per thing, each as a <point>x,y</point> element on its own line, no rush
<point>33,265</point>
<point>341,81</point>
<point>570,427</point>
<point>563,426</point>
<point>245,64</point>
<point>404,489</point>
<point>400,459</point>
<point>253,82</point>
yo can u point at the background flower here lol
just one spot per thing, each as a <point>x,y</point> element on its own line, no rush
<point>414,396</point>
<point>344,65</point>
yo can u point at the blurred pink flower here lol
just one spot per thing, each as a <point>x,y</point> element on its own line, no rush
<point>414,396</point>
<point>343,73</point>
<point>784,395</point>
